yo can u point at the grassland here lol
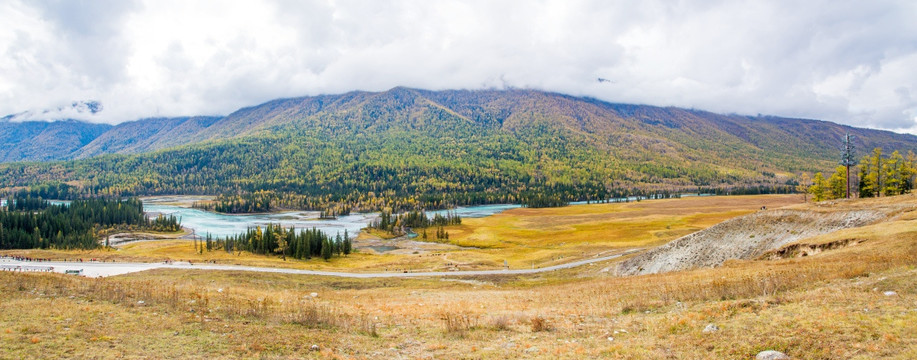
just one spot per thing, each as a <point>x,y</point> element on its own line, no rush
<point>828,305</point>
<point>548,236</point>
<point>522,237</point>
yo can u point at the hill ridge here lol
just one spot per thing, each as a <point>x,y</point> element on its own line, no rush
<point>252,119</point>
<point>453,146</point>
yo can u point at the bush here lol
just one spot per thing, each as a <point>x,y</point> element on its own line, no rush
<point>540,324</point>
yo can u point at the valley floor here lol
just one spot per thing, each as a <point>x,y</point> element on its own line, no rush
<point>520,238</point>
<point>847,301</point>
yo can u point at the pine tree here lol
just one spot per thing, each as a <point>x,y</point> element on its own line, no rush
<point>338,244</point>
<point>326,249</point>
<point>348,244</point>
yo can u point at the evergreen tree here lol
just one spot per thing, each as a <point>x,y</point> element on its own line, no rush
<point>326,249</point>
<point>33,223</point>
<point>348,244</point>
<point>338,244</point>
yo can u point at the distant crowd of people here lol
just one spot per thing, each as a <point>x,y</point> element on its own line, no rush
<point>25,258</point>
<point>96,260</point>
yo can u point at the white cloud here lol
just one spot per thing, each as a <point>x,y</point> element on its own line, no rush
<point>849,62</point>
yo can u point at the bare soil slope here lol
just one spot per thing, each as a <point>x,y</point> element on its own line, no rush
<point>750,236</point>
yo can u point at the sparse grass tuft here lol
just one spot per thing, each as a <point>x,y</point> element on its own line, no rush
<point>540,324</point>
<point>367,325</point>
<point>458,323</point>
<point>500,322</point>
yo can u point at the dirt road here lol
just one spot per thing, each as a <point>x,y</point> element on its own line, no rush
<point>100,269</point>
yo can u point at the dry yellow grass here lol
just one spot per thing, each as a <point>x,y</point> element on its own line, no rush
<point>553,235</point>
<point>826,306</point>
<point>522,237</point>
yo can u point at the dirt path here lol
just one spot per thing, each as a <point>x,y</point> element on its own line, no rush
<point>100,269</point>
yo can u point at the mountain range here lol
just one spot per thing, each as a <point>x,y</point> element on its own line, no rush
<point>418,143</point>
<point>73,139</point>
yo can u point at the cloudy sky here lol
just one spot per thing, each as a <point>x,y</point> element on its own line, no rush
<point>852,62</point>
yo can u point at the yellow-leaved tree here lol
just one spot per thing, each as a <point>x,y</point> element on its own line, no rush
<point>819,188</point>
<point>837,183</point>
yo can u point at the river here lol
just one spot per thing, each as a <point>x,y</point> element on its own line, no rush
<point>220,225</point>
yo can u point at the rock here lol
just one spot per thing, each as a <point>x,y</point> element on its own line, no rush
<point>711,328</point>
<point>889,293</point>
<point>532,349</point>
<point>771,355</point>
<point>314,347</point>
<point>611,338</point>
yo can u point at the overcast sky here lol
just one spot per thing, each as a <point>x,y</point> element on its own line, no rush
<point>852,62</point>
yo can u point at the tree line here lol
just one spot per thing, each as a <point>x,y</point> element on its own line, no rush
<point>256,202</point>
<point>398,224</point>
<point>29,223</point>
<point>28,203</point>
<point>878,175</point>
<point>277,240</point>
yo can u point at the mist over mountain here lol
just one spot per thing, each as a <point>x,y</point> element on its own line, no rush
<point>63,112</point>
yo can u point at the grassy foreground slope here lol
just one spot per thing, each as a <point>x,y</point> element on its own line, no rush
<point>853,302</point>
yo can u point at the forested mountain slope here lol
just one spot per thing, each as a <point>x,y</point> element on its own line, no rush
<point>145,135</point>
<point>43,140</point>
<point>408,147</point>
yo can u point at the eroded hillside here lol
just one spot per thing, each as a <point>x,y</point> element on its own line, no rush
<point>766,231</point>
